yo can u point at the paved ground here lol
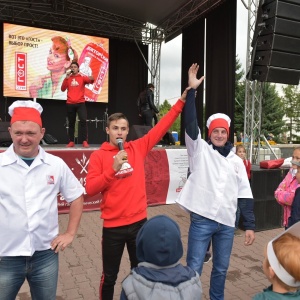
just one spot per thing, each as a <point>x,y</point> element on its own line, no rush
<point>80,264</point>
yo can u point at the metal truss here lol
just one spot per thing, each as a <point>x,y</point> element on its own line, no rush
<point>70,16</point>
<point>253,95</point>
<point>187,14</point>
<point>156,36</point>
<point>66,15</point>
<point>157,39</point>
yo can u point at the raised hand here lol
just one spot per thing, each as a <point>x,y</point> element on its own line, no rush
<point>184,94</point>
<point>193,81</point>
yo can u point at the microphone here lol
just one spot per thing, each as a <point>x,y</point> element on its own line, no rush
<point>69,72</point>
<point>120,144</point>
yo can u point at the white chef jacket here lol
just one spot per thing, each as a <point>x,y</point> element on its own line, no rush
<point>28,201</point>
<point>215,183</point>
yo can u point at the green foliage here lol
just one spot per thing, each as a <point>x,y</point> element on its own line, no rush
<point>272,106</point>
<point>272,111</point>
<point>163,109</point>
<point>291,103</point>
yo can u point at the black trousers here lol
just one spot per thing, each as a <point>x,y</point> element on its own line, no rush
<point>113,243</point>
<point>155,118</point>
<point>72,110</point>
<point>147,116</point>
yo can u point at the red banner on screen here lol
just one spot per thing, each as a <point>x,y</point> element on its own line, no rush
<point>21,71</point>
<point>36,61</point>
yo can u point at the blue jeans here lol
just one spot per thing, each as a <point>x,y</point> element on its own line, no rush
<point>201,231</point>
<point>40,270</point>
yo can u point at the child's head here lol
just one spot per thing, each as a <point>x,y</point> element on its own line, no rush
<point>282,259</point>
<point>240,151</point>
<point>296,166</point>
<point>296,157</point>
<point>159,242</point>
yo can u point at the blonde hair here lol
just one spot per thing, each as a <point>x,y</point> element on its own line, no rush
<point>287,251</point>
<point>237,147</point>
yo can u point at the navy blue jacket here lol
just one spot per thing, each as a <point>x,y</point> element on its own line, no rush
<point>295,209</point>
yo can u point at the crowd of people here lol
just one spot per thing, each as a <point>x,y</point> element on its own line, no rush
<point>218,184</point>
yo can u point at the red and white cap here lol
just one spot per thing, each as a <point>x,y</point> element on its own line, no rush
<point>216,121</point>
<point>25,111</point>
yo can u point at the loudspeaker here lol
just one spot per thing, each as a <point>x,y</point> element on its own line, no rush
<point>276,42</point>
<point>137,131</point>
<point>273,74</point>
<point>5,139</point>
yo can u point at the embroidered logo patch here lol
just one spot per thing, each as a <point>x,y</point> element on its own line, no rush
<point>50,179</point>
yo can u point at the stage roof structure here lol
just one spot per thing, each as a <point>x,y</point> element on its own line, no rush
<point>129,20</point>
<point>140,21</point>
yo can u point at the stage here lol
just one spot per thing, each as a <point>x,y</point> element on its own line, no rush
<point>165,175</point>
<point>165,169</point>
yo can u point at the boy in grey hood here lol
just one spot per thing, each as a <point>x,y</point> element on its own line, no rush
<point>159,274</point>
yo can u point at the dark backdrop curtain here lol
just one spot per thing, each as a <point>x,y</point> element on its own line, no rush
<point>220,60</point>
<point>128,77</point>
<point>192,52</point>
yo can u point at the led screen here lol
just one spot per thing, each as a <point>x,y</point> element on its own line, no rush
<point>36,60</point>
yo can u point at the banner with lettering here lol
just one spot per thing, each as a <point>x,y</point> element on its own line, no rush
<point>165,175</point>
<point>36,61</point>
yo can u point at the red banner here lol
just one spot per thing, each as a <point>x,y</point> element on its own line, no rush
<point>165,172</point>
<point>157,177</point>
<point>78,161</point>
<point>156,172</point>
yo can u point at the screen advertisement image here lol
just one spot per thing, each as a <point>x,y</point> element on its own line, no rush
<point>36,61</point>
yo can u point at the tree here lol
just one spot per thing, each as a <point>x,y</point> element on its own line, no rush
<point>163,109</point>
<point>291,102</point>
<point>272,106</point>
<point>272,111</point>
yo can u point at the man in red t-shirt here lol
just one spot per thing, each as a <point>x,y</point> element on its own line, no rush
<point>75,84</point>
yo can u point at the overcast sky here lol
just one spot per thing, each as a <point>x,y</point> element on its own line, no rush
<point>170,65</point>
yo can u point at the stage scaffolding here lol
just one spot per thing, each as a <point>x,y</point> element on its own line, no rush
<point>253,94</point>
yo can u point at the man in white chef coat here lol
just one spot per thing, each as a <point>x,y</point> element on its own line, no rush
<point>218,180</point>
<point>30,181</point>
